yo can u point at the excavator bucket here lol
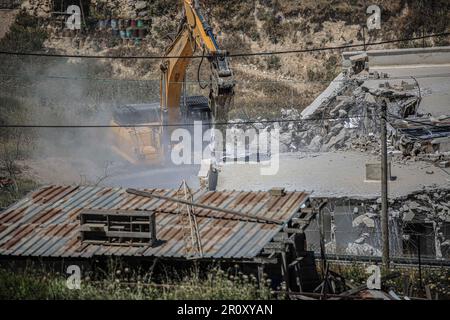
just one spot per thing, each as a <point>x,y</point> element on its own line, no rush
<point>195,108</point>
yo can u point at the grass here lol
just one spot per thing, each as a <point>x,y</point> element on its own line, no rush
<point>33,283</point>
<point>118,282</point>
<point>14,146</point>
<point>438,279</point>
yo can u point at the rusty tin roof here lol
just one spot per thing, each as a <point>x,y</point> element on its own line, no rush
<point>45,224</point>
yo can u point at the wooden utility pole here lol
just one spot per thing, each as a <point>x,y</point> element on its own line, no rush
<point>384,187</point>
<point>364,37</point>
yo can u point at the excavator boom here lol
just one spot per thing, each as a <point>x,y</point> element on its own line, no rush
<point>144,145</point>
<point>195,32</point>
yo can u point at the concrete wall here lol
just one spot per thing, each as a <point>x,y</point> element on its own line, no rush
<point>334,87</point>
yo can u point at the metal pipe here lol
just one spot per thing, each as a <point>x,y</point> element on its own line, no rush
<point>204,206</point>
<point>384,187</point>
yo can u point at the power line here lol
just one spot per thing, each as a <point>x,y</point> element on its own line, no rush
<point>417,122</point>
<point>245,54</point>
<point>341,47</point>
<point>207,123</point>
<point>56,77</point>
<point>178,124</point>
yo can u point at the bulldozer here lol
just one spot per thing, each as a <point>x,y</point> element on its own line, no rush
<point>141,133</point>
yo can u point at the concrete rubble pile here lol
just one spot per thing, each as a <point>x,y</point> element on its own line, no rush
<point>426,208</point>
<point>348,120</point>
<point>359,108</point>
<point>430,207</point>
<point>428,140</point>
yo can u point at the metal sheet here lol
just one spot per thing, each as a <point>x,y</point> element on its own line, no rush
<point>44,223</point>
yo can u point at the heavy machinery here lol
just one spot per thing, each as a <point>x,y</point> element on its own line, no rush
<point>141,142</point>
<point>150,144</point>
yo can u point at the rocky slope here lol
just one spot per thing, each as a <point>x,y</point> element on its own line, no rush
<point>265,84</point>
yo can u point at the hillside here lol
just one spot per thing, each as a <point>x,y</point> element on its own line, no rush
<point>254,26</point>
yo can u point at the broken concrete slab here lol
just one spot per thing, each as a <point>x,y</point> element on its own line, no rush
<point>330,174</point>
<point>408,216</point>
<point>373,171</point>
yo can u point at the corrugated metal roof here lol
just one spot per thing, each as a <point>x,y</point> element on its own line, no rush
<point>45,222</point>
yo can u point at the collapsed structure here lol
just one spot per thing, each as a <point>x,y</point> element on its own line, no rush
<point>333,153</point>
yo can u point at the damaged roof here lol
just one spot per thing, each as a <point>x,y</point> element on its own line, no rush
<point>328,155</point>
<point>45,224</point>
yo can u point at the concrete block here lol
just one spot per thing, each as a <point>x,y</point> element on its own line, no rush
<point>373,171</point>
<point>408,216</point>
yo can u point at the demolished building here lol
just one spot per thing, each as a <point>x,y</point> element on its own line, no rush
<point>334,153</point>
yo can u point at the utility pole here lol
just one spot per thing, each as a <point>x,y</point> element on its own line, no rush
<point>384,186</point>
<point>419,255</point>
<point>364,37</point>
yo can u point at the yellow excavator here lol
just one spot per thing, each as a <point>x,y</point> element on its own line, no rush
<point>150,144</point>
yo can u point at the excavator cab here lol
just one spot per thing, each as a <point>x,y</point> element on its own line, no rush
<point>137,133</point>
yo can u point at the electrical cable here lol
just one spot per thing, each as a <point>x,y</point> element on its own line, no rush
<point>198,71</point>
<point>209,123</point>
<point>62,77</point>
<point>245,54</point>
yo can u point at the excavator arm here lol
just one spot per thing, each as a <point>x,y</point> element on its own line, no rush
<point>151,145</point>
<point>195,32</point>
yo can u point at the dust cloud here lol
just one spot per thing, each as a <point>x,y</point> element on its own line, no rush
<point>75,92</point>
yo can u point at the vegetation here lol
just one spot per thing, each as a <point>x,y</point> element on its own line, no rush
<point>123,283</point>
<point>25,35</point>
<point>233,16</point>
<point>118,281</point>
<point>12,194</point>
<point>163,7</point>
<point>14,145</point>
<point>273,62</point>
<point>327,72</point>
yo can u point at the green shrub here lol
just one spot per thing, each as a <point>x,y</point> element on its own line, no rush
<point>24,35</point>
<point>122,283</point>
